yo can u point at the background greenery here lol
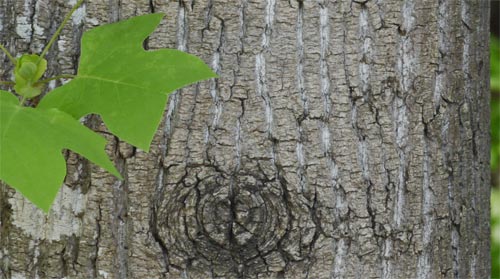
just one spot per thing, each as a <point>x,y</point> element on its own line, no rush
<point>495,155</point>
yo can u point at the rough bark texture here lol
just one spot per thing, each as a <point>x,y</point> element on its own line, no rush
<point>343,139</point>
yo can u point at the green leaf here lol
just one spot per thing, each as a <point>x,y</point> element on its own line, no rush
<point>29,69</point>
<point>122,82</point>
<point>31,141</point>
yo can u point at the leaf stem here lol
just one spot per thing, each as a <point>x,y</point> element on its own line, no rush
<point>11,58</point>
<point>23,99</point>
<point>2,82</point>
<point>58,31</point>
<point>56,77</point>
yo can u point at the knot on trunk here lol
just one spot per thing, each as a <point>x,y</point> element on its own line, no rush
<point>233,224</point>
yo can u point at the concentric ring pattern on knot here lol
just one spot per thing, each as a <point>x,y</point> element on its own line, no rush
<point>236,222</point>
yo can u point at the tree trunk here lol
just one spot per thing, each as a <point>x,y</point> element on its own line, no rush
<point>343,139</point>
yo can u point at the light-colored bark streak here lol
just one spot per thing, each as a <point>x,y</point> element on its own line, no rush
<point>406,67</point>
<point>443,93</point>
<point>173,101</point>
<point>260,71</point>
<point>260,65</point>
<point>34,245</point>
<point>182,30</point>
<point>242,23</point>
<point>2,26</point>
<point>24,21</point>
<point>366,52</point>
<point>239,131</point>
<point>324,33</point>
<point>387,265</point>
<point>114,10</point>
<point>443,47</point>
<point>301,162</point>
<point>341,246</point>
<point>424,260</point>
<point>182,44</point>
<point>213,85</point>
<point>79,14</point>
<point>238,139</point>
<point>365,80</point>
<point>300,57</point>
<point>387,269</point>
<point>216,67</point>
<point>364,74</point>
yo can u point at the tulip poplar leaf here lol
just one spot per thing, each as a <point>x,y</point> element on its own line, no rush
<point>123,83</point>
<point>32,140</point>
<point>117,78</point>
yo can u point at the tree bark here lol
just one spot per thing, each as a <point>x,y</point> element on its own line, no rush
<point>343,139</point>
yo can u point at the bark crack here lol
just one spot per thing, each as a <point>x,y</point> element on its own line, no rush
<point>301,168</point>
<point>121,218</point>
<point>97,239</point>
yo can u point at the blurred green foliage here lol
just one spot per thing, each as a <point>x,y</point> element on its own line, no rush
<point>495,64</point>
<point>495,233</point>
<point>495,133</point>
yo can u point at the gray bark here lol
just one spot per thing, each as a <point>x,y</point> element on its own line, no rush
<point>343,139</point>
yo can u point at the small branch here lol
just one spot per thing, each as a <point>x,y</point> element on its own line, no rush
<point>56,77</point>
<point>11,58</point>
<point>7,82</point>
<point>58,31</point>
